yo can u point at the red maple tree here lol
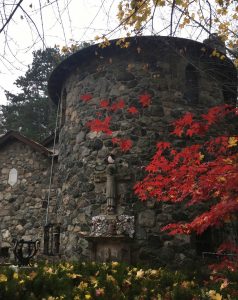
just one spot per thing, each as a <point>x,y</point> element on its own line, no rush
<point>201,172</point>
<point>204,172</point>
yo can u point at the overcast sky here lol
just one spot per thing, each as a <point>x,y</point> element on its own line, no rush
<point>63,21</point>
<point>80,20</point>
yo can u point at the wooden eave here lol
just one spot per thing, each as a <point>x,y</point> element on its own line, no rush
<point>14,135</point>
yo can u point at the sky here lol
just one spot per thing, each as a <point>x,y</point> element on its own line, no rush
<point>58,22</point>
<point>63,21</point>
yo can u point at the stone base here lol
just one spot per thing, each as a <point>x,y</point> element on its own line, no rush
<point>108,249</point>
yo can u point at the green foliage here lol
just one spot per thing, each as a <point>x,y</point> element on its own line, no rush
<point>30,111</point>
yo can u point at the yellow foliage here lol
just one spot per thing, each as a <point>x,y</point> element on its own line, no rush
<point>105,42</point>
<point>110,278</point>
<point>232,141</point>
<point>201,156</point>
<point>3,278</point>
<point>213,295</point>
<point>83,285</point>
<point>140,273</point>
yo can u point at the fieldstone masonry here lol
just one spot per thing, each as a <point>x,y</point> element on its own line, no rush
<point>24,183</point>
<point>180,75</point>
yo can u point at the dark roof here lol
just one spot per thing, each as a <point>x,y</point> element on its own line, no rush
<point>65,68</point>
<point>14,135</point>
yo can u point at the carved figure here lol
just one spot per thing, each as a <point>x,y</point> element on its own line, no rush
<point>111,185</point>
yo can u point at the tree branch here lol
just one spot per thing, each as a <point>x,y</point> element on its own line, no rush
<point>11,15</point>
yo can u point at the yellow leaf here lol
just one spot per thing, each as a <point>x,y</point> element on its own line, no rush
<point>228,161</point>
<point>221,179</point>
<point>3,278</point>
<point>232,142</point>
<point>140,273</point>
<point>201,156</point>
<point>214,296</point>
<point>214,52</point>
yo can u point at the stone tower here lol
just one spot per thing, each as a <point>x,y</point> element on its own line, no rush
<point>180,75</point>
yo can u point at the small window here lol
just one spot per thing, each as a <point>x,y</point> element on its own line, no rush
<point>12,178</point>
<point>191,93</point>
<point>52,239</point>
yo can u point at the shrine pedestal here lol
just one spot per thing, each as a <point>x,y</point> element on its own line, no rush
<point>110,238</point>
<point>107,249</point>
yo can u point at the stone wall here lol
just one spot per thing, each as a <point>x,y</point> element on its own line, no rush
<point>22,198</point>
<point>161,69</point>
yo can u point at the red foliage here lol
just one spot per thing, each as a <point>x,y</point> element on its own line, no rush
<point>97,125</point>
<point>124,144</point>
<point>86,97</point>
<point>145,100</point>
<point>206,172</point>
<point>188,126</point>
<point>117,105</point>
<point>104,103</point>
<point>133,110</point>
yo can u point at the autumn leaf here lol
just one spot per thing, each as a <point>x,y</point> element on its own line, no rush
<point>133,110</point>
<point>178,131</point>
<point>117,105</point>
<point>104,103</point>
<point>145,100</point>
<point>232,141</point>
<point>97,125</point>
<point>124,144</point>
<point>201,156</point>
<point>86,97</point>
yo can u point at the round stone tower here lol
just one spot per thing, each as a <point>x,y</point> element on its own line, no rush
<point>100,216</point>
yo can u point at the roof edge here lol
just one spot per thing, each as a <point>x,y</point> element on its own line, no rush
<point>11,135</point>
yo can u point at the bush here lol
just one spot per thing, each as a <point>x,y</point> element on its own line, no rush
<point>104,281</point>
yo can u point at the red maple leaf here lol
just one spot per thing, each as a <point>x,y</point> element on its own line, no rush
<point>145,100</point>
<point>124,144</point>
<point>133,110</point>
<point>86,97</point>
<point>118,105</point>
<point>185,120</point>
<point>104,103</point>
<point>97,125</point>
<point>121,104</point>
<point>178,131</point>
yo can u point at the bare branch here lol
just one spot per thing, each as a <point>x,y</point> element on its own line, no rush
<point>11,15</point>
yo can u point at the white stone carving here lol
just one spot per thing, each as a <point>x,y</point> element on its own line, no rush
<point>12,178</point>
